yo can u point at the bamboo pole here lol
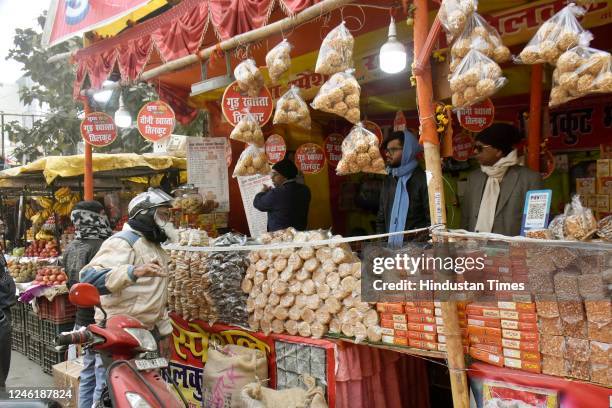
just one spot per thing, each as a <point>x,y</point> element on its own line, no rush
<point>88,182</point>
<point>310,13</point>
<point>430,140</point>
<point>535,118</point>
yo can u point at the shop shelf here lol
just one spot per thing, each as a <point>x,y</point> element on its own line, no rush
<point>51,356</point>
<point>32,326</point>
<point>59,310</point>
<point>49,330</point>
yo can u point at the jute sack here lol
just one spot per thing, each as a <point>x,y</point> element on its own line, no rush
<point>227,371</point>
<point>256,396</point>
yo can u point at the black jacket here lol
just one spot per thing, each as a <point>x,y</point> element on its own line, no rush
<point>76,255</point>
<point>286,205</point>
<point>7,287</point>
<point>418,208</point>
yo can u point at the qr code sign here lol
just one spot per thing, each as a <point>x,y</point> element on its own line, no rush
<point>536,211</point>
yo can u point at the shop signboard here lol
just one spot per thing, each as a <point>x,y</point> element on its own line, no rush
<point>463,145</point>
<point>477,117</point>
<point>156,121</point>
<point>333,148</point>
<point>207,169</point>
<point>236,105</point>
<point>98,129</point>
<point>310,158</point>
<point>276,148</point>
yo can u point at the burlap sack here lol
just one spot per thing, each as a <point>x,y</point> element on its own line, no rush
<point>226,373</point>
<point>255,396</point>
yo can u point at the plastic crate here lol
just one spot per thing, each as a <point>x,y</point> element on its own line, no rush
<point>49,330</point>
<point>59,310</point>
<point>18,316</point>
<point>51,357</point>
<point>32,325</point>
<point>34,349</point>
<point>18,342</point>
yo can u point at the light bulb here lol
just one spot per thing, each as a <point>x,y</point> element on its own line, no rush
<point>123,118</point>
<point>103,95</point>
<point>392,55</point>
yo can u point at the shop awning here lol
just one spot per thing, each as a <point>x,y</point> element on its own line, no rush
<point>125,165</point>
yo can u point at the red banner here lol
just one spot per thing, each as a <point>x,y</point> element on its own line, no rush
<point>276,148</point>
<point>235,105</point>
<point>69,18</point>
<point>156,121</point>
<point>310,158</point>
<point>477,117</point>
<point>98,129</point>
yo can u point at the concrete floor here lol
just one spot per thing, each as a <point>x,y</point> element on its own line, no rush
<point>26,373</point>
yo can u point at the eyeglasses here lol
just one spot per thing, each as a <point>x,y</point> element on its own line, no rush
<point>394,150</point>
<point>480,147</point>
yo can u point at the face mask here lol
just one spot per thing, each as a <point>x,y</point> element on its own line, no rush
<point>168,228</point>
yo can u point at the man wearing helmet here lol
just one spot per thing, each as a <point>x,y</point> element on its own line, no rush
<point>130,269</point>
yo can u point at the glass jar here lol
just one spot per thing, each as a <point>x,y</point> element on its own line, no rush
<point>188,199</point>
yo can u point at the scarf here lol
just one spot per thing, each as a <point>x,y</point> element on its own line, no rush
<point>401,199</point>
<point>488,204</point>
<point>148,230</point>
<point>90,225</point>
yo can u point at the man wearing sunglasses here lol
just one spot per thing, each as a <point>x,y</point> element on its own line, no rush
<point>495,192</point>
<point>404,203</point>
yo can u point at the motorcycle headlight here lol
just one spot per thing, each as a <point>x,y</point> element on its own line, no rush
<point>136,401</point>
<point>144,337</point>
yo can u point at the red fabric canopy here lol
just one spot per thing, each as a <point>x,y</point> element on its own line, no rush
<point>174,34</point>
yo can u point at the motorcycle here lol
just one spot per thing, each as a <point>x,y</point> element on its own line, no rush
<point>129,353</point>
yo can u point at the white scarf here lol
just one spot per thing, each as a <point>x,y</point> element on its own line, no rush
<point>488,204</point>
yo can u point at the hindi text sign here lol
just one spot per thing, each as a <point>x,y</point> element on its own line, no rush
<point>462,146</point>
<point>276,148</point>
<point>399,123</point>
<point>235,105</point>
<point>98,129</point>
<point>333,148</point>
<point>477,117</point>
<point>156,121</point>
<point>207,169</point>
<point>310,158</point>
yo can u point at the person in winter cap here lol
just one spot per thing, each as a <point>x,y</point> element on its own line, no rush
<point>287,202</point>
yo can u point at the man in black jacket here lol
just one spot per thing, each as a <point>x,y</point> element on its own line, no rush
<point>91,229</point>
<point>409,210</point>
<point>287,203</point>
<point>7,299</point>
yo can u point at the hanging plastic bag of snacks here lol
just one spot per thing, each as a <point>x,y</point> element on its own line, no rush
<point>454,14</point>
<point>248,131</point>
<point>249,77</point>
<point>252,160</point>
<point>360,153</point>
<point>476,78</point>
<point>340,96</point>
<point>579,221</point>
<point>292,110</point>
<point>336,53</point>
<point>581,71</point>
<point>555,36</point>
<point>278,60</point>
<point>479,35</point>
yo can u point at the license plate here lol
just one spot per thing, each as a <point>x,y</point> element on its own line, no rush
<point>151,364</point>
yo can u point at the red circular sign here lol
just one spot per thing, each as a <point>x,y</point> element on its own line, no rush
<point>98,129</point>
<point>310,158</point>
<point>374,128</point>
<point>235,105</point>
<point>276,148</point>
<point>463,145</point>
<point>333,148</point>
<point>477,117</point>
<point>156,121</point>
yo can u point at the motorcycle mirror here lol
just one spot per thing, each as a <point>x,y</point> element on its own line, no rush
<point>84,295</point>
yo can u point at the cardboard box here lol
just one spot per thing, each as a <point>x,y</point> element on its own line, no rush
<point>420,310</point>
<point>603,202</point>
<point>422,327</point>
<point>390,308</point>
<point>396,341</point>
<point>442,339</point>
<point>442,347</point>
<point>590,201</point>
<point>442,330</point>
<point>485,340</point>
<point>521,317</point>
<point>603,168</point>
<point>520,335</point>
<point>482,321</point>
<point>518,306</point>
<point>521,345</point>
<point>585,186</point>
<point>531,366</point>
<point>393,317</point>
<point>488,348</point>
<point>415,335</point>
<point>66,375</point>
<point>491,358</point>
<point>522,355</point>
<point>421,318</point>
<point>429,305</point>
<point>484,331</point>
<point>425,345</point>
<point>604,185</point>
<point>485,311</point>
<point>522,326</point>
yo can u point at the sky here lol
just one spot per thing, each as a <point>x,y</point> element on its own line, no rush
<point>16,14</point>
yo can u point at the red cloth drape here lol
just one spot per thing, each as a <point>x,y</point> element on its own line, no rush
<point>372,378</point>
<point>232,17</point>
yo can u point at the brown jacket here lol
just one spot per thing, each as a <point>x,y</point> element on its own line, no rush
<point>509,212</point>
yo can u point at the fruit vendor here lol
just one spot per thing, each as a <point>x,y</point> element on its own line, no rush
<point>288,202</point>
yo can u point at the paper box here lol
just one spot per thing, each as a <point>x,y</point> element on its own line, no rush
<point>603,202</point>
<point>603,167</point>
<point>66,375</point>
<point>585,186</point>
